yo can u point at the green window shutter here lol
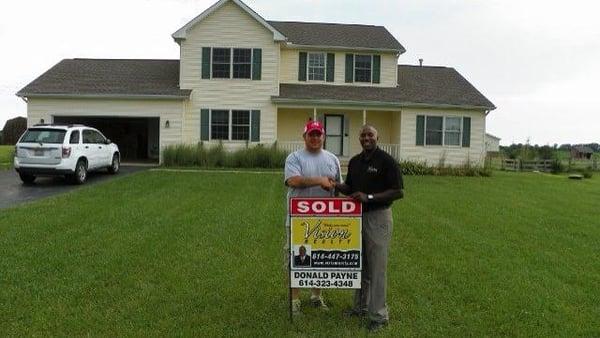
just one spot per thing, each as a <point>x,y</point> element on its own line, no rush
<point>466,137</point>
<point>420,130</point>
<point>349,68</point>
<point>376,68</point>
<point>204,124</point>
<point>302,66</point>
<point>255,127</point>
<point>256,63</point>
<point>206,62</point>
<point>330,67</point>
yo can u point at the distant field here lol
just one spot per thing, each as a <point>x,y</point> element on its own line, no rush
<point>6,156</point>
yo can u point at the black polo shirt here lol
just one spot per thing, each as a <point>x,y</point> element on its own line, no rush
<point>374,173</point>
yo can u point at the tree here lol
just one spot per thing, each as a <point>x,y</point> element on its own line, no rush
<point>13,129</point>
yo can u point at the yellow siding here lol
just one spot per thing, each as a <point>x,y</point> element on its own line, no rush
<point>289,69</point>
<point>38,108</point>
<point>229,26</point>
<point>454,155</point>
<point>291,123</point>
<point>382,121</point>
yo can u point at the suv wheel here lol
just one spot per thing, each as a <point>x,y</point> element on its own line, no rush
<point>27,179</point>
<point>115,165</point>
<point>80,172</point>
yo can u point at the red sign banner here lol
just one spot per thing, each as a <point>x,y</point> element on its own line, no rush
<point>325,207</point>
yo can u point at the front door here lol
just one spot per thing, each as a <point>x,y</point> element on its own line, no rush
<point>334,134</point>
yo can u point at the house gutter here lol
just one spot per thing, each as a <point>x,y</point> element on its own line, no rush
<point>103,96</point>
<point>343,48</point>
<point>327,102</point>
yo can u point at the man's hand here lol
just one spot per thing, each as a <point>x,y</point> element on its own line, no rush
<point>327,183</point>
<point>333,182</point>
<point>360,196</point>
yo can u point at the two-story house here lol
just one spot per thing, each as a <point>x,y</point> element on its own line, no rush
<point>244,80</point>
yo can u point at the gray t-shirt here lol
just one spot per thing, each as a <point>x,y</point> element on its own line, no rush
<point>304,163</point>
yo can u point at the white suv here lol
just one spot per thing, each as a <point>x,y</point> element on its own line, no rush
<point>69,150</point>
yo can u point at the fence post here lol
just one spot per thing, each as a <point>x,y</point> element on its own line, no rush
<point>519,164</point>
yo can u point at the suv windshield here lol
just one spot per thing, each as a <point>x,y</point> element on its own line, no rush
<point>44,136</point>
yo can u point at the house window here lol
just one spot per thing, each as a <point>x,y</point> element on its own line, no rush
<point>219,125</point>
<point>230,125</point>
<point>240,124</point>
<point>221,63</point>
<point>452,131</point>
<point>434,130</point>
<point>316,66</point>
<point>443,130</point>
<point>362,68</point>
<point>242,63</point>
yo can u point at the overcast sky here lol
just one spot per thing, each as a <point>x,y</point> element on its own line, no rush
<point>537,61</point>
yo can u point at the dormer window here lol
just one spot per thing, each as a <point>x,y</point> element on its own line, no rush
<point>363,64</point>
<point>316,66</point>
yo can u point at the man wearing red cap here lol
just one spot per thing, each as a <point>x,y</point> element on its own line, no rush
<point>310,172</point>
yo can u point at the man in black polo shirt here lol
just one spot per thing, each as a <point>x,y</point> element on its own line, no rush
<point>374,178</point>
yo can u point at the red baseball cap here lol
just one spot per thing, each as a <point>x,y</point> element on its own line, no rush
<point>313,125</point>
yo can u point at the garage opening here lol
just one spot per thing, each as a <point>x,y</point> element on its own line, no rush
<point>137,137</point>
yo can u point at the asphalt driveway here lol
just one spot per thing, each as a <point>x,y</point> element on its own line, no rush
<point>13,191</point>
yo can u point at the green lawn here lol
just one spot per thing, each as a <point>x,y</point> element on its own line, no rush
<point>169,253</point>
<point>6,156</point>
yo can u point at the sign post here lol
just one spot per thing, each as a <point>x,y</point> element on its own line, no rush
<point>325,243</point>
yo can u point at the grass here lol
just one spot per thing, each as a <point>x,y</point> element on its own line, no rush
<point>184,253</point>
<point>6,157</point>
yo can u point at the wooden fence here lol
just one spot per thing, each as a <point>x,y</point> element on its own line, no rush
<point>568,165</point>
<point>522,165</point>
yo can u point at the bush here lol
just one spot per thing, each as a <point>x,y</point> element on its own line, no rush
<point>557,167</point>
<point>199,155</point>
<point>421,169</point>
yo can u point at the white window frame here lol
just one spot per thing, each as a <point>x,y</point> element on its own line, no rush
<point>354,69</point>
<point>308,66</point>
<point>460,131</point>
<point>231,63</point>
<point>251,59</point>
<point>212,62</point>
<point>230,125</point>
<point>460,134</point>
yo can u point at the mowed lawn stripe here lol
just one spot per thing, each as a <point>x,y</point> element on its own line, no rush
<point>199,253</point>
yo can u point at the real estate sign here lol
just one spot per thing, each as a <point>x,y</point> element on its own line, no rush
<point>325,243</point>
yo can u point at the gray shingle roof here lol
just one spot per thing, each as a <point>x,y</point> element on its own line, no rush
<point>338,35</point>
<point>109,77</point>
<point>417,86</point>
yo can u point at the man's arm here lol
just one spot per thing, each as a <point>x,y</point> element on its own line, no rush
<point>305,182</point>
<point>387,196</point>
<point>342,187</point>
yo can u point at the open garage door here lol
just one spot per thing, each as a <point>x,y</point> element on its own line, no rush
<point>137,137</point>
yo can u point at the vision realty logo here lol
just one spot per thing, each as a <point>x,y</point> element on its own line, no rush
<point>325,207</point>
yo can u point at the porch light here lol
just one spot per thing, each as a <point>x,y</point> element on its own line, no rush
<point>167,124</point>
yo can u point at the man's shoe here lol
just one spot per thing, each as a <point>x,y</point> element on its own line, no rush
<point>354,312</point>
<point>376,326</point>
<point>318,302</point>
<point>296,307</point>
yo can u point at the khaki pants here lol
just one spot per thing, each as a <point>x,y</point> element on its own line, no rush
<point>377,232</point>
